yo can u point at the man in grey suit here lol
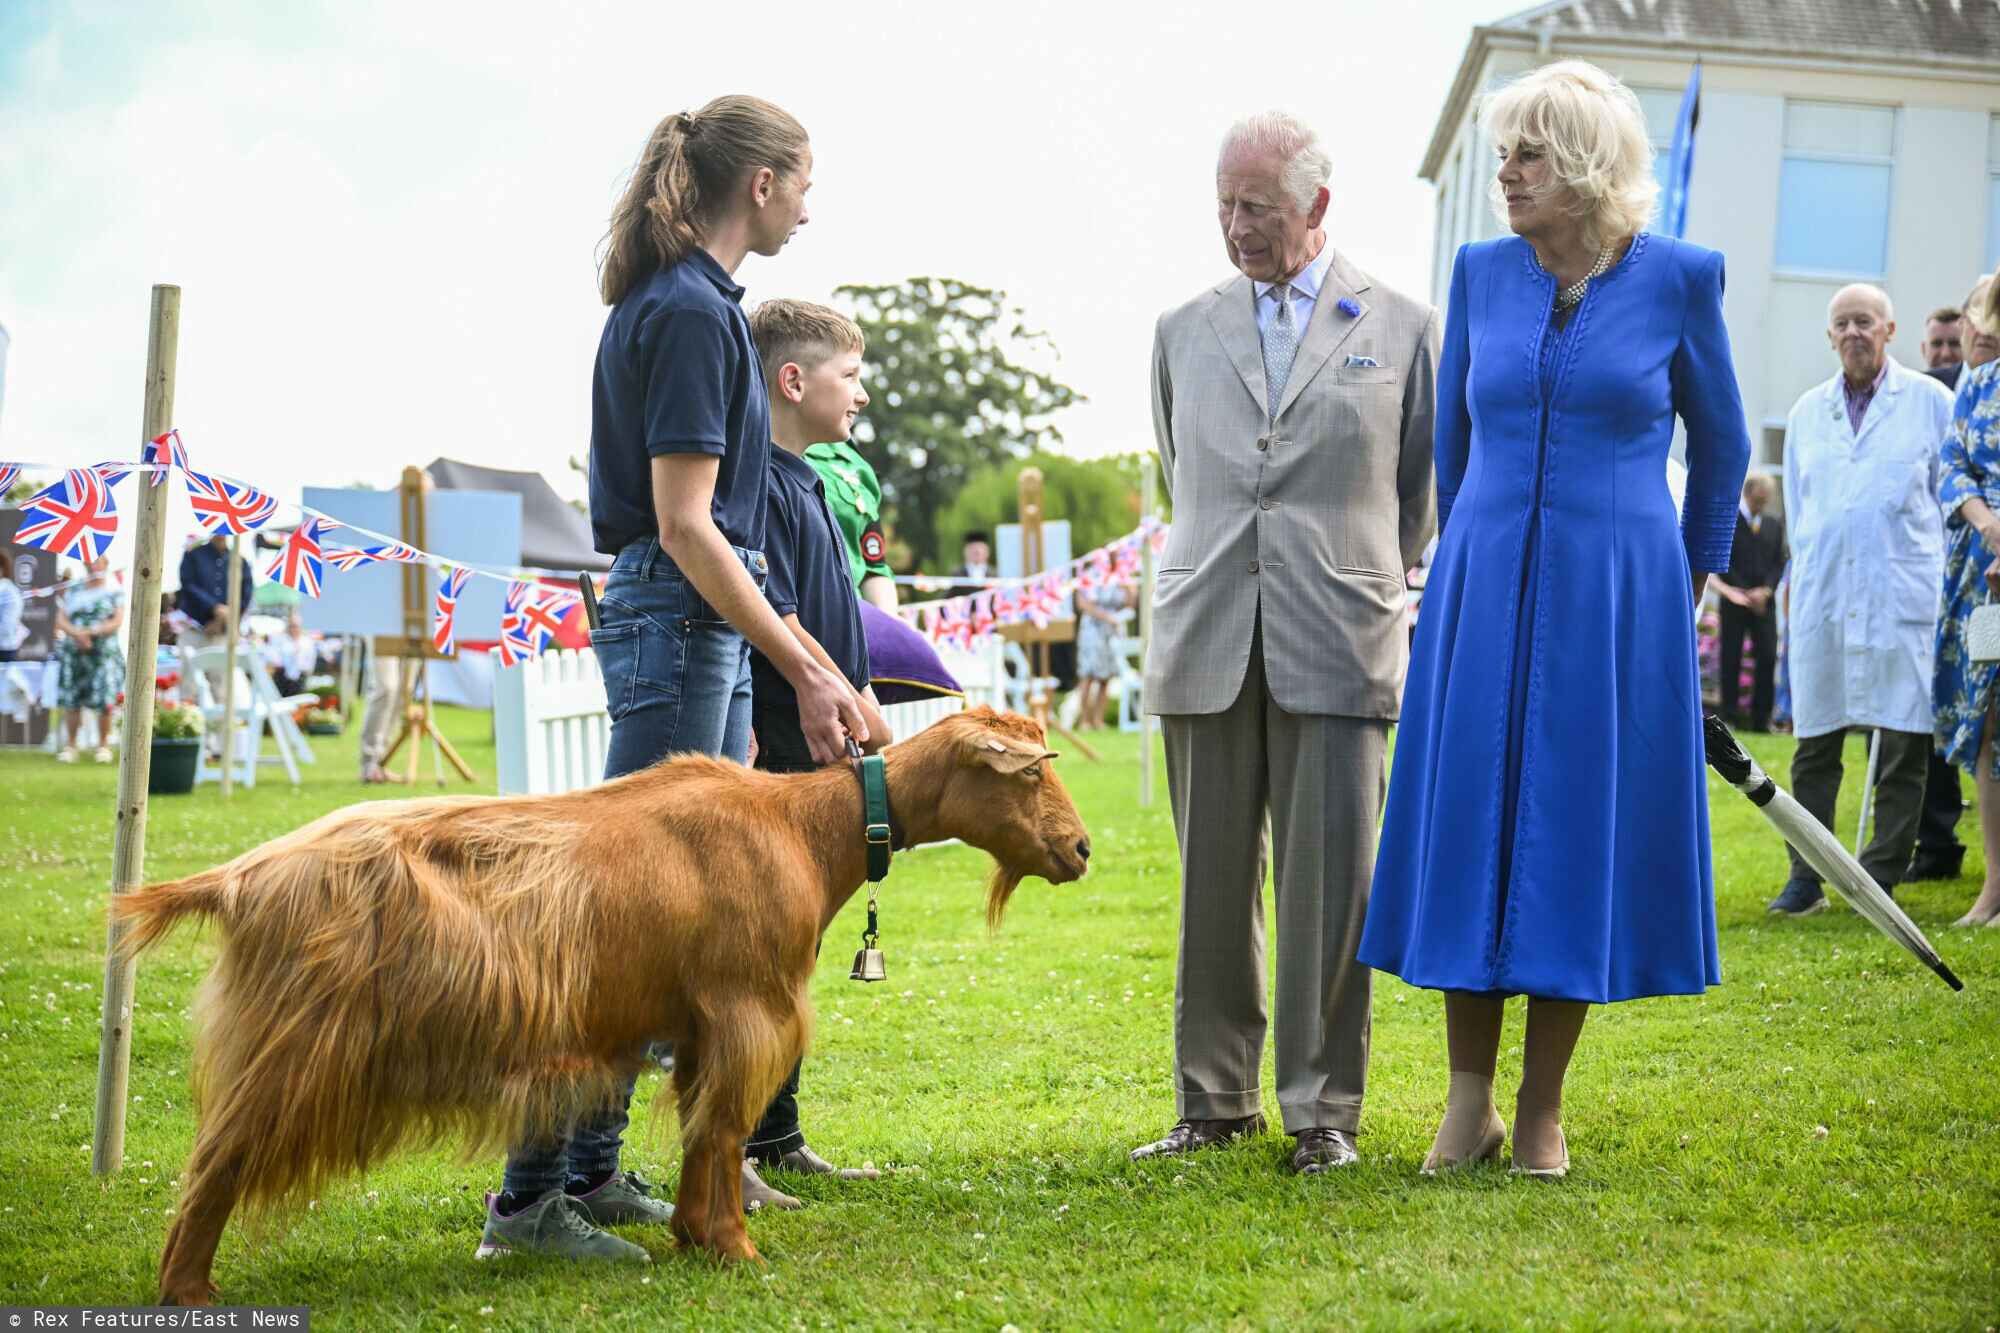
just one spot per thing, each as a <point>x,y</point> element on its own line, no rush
<point>1292,405</point>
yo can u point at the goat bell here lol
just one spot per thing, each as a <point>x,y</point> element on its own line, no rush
<point>868,966</point>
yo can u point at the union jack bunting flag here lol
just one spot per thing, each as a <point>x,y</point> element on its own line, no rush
<point>74,517</point>
<point>444,625</point>
<point>353,557</point>
<point>515,644</point>
<point>8,471</point>
<point>1125,561</point>
<point>541,617</point>
<point>165,449</point>
<point>982,617</point>
<point>221,505</point>
<point>299,566</point>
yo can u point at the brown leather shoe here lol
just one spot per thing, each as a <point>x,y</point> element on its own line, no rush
<point>809,1163</point>
<point>1193,1135</point>
<point>1322,1150</point>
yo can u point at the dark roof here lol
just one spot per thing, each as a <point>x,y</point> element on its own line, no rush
<point>554,536</point>
<point>1952,29</point>
<point>1942,34</point>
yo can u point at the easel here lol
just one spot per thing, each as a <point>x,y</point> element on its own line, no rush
<point>413,691</point>
<point>1029,634</point>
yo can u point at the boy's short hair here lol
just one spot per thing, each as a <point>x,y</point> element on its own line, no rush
<point>803,333</point>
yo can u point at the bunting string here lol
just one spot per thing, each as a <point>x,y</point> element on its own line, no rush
<point>76,516</point>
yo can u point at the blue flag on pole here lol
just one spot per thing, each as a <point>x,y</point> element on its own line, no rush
<point>1680,159</point>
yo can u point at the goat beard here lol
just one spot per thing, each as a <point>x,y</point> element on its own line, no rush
<point>998,890</point>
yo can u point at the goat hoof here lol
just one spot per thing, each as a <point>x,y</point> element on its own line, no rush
<point>197,1293</point>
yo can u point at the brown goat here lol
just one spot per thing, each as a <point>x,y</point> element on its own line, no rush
<point>491,968</point>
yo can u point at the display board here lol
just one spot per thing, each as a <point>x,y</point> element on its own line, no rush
<point>478,527</point>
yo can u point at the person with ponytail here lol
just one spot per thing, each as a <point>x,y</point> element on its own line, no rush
<point>680,447</point>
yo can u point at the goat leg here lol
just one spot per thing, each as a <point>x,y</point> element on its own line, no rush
<point>214,1182</point>
<point>728,1237</point>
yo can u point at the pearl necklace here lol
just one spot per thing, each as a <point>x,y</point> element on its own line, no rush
<point>1573,293</point>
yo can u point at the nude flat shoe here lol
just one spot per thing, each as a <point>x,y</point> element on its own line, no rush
<point>1488,1150</point>
<point>1556,1172</point>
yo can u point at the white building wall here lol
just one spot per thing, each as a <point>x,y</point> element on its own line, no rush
<point>1938,212</point>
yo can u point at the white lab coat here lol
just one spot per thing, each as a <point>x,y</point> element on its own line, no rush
<point>1867,541</point>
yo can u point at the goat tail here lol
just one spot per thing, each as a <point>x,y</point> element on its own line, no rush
<point>152,912</point>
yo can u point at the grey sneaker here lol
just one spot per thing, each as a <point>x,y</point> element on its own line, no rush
<point>623,1198</point>
<point>553,1224</point>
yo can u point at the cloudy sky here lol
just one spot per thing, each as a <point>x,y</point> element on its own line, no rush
<point>383,216</point>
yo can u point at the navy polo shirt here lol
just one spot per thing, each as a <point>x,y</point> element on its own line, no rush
<point>808,578</point>
<point>678,374</point>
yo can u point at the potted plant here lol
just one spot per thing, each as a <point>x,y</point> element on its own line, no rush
<point>322,721</point>
<point>176,749</point>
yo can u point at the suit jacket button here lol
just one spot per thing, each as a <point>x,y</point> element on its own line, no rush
<point>1263,442</point>
<point>1253,566</point>
<point>1267,504</point>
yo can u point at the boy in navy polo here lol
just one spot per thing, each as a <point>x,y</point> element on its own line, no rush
<point>812,363</point>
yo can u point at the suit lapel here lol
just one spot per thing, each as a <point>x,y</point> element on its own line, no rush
<point>1330,326</point>
<point>1233,316</point>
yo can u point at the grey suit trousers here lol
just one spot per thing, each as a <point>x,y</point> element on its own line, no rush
<point>1319,781</point>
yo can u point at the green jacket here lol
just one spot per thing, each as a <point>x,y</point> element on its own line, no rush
<point>855,497</point>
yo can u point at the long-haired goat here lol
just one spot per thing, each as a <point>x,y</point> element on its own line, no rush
<point>490,968</point>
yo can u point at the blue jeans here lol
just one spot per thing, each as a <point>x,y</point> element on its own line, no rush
<point>677,681</point>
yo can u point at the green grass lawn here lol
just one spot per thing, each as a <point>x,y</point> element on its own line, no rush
<point>1815,1143</point>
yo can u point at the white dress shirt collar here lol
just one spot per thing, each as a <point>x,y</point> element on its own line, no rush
<point>1307,284</point>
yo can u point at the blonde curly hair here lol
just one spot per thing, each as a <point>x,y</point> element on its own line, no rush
<point>1594,134</point>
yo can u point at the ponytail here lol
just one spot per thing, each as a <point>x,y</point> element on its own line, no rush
<point>683,181</point>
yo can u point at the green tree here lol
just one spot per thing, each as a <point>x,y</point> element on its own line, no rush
<point>950,397</point>
<point>1100,498</point>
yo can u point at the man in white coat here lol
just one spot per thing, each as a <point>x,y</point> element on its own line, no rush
<point>1861,479</point>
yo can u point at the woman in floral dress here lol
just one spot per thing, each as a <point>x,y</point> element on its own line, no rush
<point>90,666</point>
<point>1962,694</point>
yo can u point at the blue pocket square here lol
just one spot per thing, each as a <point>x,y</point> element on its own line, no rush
<point>1367,361</point>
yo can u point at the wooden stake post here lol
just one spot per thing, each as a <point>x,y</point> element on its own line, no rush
<point>415,648</point>
<point>1039,637</point>
<point>235,632</point>
<point>135,760</point>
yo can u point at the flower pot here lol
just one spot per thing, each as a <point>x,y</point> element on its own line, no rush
<point>174,762</point>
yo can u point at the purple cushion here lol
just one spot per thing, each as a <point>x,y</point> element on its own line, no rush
<point>902,665</point>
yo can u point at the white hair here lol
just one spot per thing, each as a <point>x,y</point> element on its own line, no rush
<point>1881,298</point>
<point>1594,133</point>
<point>1307,167</point>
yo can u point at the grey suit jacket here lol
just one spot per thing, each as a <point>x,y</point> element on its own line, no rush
<point>1313,518</point>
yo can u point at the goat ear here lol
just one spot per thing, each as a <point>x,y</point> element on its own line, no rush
<point>1005,758</point>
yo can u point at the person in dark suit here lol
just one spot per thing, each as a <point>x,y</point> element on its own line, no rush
<point>1756,561</point>
<point>1944,345</point>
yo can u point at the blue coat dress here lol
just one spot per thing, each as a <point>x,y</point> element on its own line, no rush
<point>1547,823</point>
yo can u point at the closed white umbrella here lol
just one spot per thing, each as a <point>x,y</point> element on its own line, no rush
<point>1842,872</point>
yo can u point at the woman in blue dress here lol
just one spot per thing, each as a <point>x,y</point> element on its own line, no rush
<point>1546,832</point>
<point>1962,697</point>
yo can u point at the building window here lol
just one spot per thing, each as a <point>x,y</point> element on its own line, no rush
<point>1992,194</point>
<point>1833,190</point>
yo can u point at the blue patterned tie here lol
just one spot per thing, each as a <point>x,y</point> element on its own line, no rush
<point>1281,344</point>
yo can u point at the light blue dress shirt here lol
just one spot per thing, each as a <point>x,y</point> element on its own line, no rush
<point>1305,293</point>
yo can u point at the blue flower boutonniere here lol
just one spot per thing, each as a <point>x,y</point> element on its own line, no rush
<point>1350,307</point>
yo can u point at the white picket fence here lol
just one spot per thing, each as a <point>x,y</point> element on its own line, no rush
<point>551,728</point>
